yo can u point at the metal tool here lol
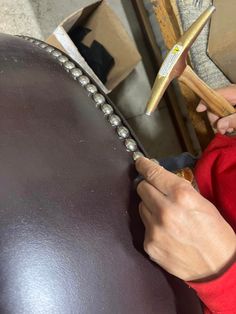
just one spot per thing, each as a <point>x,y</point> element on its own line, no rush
<point>175,65</point>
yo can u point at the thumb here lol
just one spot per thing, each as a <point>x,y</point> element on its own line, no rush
<point>226,123</point>
<point>201,107</point>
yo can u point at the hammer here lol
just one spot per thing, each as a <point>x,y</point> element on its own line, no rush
<point>175,65</point>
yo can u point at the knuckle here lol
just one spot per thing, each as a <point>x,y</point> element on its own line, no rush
<point>151,244</point>
<point>182,192</point>
<point>140,187</point>
<point>141,208</point>
<point>149,248</point>
<point>153,172</point>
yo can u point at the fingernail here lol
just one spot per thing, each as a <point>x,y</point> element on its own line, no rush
<point>156,161</point>
<point>137,155</point>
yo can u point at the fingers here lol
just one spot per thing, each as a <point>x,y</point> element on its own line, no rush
<point>157,176</point>
<point>226,124</point>
<point>211,116</point>
<point>223,125</point>
<point>230,130</point>
<point>153,199</point>
<point>201,107</point>
<point>229,93</point>
<point>145,215</point>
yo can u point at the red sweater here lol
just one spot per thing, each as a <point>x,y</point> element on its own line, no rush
<point>216,177</point>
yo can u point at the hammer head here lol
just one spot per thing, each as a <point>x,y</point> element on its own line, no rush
<point>176,60</point>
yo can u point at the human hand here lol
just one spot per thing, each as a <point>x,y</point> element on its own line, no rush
<point>184,233</point>
<point>226,124</point>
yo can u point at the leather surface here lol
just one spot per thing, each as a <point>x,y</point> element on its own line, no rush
<point>71,238</point>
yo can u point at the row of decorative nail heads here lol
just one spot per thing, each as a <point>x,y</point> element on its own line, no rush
<point>99,99</point>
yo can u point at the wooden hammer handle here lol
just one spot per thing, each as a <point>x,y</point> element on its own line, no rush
<point>215,102</point>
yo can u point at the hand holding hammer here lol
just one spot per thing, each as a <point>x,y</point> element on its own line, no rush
<point>175,65</point>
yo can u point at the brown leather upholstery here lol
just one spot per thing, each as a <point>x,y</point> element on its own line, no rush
<point>71,239</point>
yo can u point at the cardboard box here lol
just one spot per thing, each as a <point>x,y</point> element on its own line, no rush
<point>105,28</point>
<point>222,39</point>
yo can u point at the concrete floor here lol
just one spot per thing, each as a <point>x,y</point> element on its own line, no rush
<point>38,18</point>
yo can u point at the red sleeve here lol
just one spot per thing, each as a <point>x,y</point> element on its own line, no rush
<point>216,177</point>
<point>219,295</point>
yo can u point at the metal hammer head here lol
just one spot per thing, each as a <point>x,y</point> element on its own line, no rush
<point>176,60</point>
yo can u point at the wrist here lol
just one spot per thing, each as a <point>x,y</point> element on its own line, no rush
<point>220,261</point>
